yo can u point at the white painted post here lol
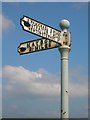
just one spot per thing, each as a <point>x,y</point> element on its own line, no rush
<point>64,51</point>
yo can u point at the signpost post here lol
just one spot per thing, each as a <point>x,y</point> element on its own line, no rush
<point>64,51</point>
<point>51,38</point>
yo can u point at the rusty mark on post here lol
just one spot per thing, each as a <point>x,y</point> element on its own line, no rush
<point>64,112</point>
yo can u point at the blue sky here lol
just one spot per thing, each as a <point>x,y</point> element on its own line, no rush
<point>31,82</point>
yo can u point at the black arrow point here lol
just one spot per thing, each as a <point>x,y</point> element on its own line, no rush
<point>26,24</point>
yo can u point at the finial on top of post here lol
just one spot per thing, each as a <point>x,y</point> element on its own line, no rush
<point>65,39</point>
<point>64,25</point>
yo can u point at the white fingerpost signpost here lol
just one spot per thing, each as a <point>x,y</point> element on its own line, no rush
<point>64,51</point>
<point>51,38</point>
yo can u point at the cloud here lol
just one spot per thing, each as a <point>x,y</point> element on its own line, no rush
<point>21,80</point>
<point>78,90</point>
<point>26,81</point>
<point>78,83</point>
<point>6,23</point>
<point>26,91</point>
<point>23,91</point>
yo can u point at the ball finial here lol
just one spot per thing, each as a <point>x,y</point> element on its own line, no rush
<point>64,24</point>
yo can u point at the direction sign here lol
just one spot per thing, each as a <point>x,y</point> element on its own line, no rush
<point>36,45</point>
<point>40,29</point>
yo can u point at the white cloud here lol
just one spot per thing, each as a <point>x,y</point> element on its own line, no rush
<point>21,80</point>
<point>78,82</point>
<point>6,23</point>
<point>78,90</point>
<point>25,91</point>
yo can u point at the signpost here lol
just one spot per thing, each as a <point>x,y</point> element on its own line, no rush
<point>45,31</point>
<point>51,38</point>
<point>36,45</point>
<point>40,29</point>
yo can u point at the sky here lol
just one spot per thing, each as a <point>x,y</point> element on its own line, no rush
<point>31,83</point>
